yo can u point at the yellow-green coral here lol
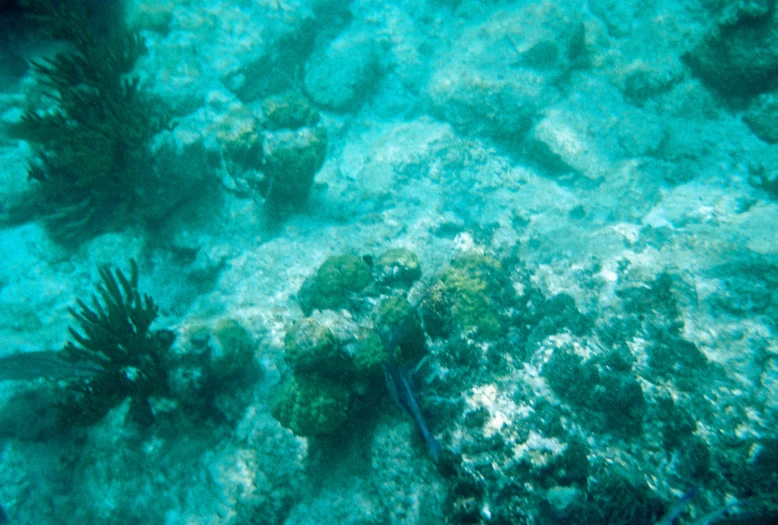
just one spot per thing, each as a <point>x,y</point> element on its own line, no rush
<point>311,406</point>
<point>370,355</point>
<point>338,277</point>
<point>311,348</point>
<point>466,289</point>
<point>338,360</point>
<point>398,265</point>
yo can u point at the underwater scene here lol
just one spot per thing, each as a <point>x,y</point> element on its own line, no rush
<point>389,262</point>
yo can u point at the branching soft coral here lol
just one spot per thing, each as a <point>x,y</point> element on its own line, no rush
<point>114,334</point>
<point>91,142</point>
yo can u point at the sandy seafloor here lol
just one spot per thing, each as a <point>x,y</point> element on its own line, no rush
<point>621,152</point>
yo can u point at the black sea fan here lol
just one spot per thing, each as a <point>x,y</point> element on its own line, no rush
<point>92,133</point>
<point>114,334</point>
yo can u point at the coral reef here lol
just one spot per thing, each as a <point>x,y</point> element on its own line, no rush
<point>397,266</point>
<point>294,148</point>
<point>371,356</point>
<point>292,158</point>
<point>276,155</point>
<point>311,406</point>
<point>311,347</point>
<point>321,353</point>
<point>528,403</point>
<point>114,354</point>
<point>590,188</point>
<point>400,324</point>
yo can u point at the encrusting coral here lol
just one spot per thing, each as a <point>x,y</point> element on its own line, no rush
<point>461,299</point>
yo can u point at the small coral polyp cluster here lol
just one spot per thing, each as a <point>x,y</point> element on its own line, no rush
<point>359,319</point>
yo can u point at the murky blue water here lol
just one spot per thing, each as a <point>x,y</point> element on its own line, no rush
<point>399,262</point>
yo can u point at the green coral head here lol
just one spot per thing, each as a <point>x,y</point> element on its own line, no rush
<point>371,355</point>
<point>335,280</point>
<point>312,348</point>
<point>467,289</point>
<point>311,406</point>
<point>398,266</point>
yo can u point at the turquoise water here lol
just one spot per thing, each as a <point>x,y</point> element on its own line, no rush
<point>315,262</point>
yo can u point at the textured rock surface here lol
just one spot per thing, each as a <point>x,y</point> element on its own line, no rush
<point>740,56</point>
<point>502,70</point>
